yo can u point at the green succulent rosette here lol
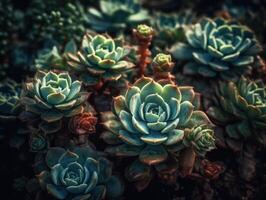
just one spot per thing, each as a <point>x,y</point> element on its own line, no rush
<point>50,59</point>
<point>241,108</point>
<point>201,139</point>
<point>170,27</point>
<point>116,15</point>
<point>54,96</point>
<point>79,174</point>
<point>218,48</point>
<point>150,119</point>
<point>100,57</point>
<point>9,99</point>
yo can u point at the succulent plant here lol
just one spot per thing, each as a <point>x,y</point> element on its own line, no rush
<point>9,104</point>
<point>54,96</point>
<point>9,99</point>
<point>218,48</point>
<point>201,139</point>
<point>144,31</point>
<point>100,57</point>
<point>241,108</point>
<point>169,27</point>
<point>84,123</point>
<point>163,62</point>
<point>38,141</point>
<point>49,59</point>
<point>79,174</point>
<point>116,15</point>
<point>61,22</point>
<point>149,120</point>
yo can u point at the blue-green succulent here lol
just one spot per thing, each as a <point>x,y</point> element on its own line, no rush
<point>116,15</point>
<point>169,27</point>
<point>240,108</point>
<point>100,57</point>
<point>78,174</point>
<point>218,48</point>
<point>54,96</point>
<point>150,119</point>
<point>9,98</point>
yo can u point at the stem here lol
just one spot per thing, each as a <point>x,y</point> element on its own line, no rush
<point>187,160</point>
<point>144,54</point>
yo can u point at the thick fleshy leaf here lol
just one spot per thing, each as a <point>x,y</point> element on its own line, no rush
<point>51,116</point>
<point>67,157</point>
<point>119,104</point>
<point>140,125</point>
<point>174,137</point>
<point>153,154</point>
<point>186,110</point>
<point>105,170</point>
<point>130,138</point>
<point>114,187</point>
<point>126,120</point>
<point>124,150</point>
<point>56,191</point>
<point>76,189</point>
<point>171,91</point>
<point>154,139</point>
<point>53,155</point>
<point>55,98</point>
<point>56,172</point>
<point>151,88</point>
<point>138,171</point>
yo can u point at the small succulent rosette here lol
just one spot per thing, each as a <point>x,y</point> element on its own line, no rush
<point>240,108</point>
<point>53,96</point>
<point>100,58</point>
<point>54,59</point>
<point>38,141</point>
<point>78,174</point>
<point>10,92</point>
<point>9,104</point>
<point>149,122</point>
<point>218,48</point>
<point>116,15</point>
<point>170,27</point>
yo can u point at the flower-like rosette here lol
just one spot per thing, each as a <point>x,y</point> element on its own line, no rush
<point>163,62</point>
<point>201,139</point>
<point>100,57</point>
<point>54,96</point>
<point>83,124</point>
<point>150,119</point>
<point>79,174</point>
<point>240,107</point>
<point>9,99</point>
<point>218,47</point>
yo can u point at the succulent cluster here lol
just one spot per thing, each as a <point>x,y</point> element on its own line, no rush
<point>100,57</point>
<point>85,82</point>
<point>116,15</point>
<point>240,107</point>
<point>218,48</point>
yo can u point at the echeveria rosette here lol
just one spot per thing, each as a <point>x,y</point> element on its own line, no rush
<point>201,139</point>
<point>241,108</point>
<point>218,48</point>
<point>149,120</point>
<point>100,57</point>
<point>50,59</point>
<point>54,96</point>
<point>79,174</point>
<point>9,99</point>
<point>169,27</point>
<point>116,15</point>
